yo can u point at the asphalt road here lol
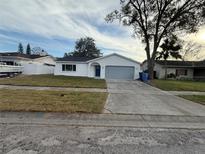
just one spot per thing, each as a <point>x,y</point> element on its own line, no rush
<point>42,139</point>
<point>57,133</point>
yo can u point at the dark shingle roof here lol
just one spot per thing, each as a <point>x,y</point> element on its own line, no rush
<point>72,58</point>
<point>16,54</point>
<point>175,63</point>
<point>182,63</point>
<point>200,63</point>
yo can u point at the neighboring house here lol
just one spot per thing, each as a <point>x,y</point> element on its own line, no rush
<point>32,64</point>
<point>113,66</point>
<point>178,69</point>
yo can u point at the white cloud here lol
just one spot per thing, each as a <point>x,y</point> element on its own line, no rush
<point>198,38</point>
<point>68,19</point>
<point>72,19</point>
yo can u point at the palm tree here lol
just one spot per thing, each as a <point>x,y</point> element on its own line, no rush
<point>170,48</point>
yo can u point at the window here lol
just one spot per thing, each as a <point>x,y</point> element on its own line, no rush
<point>181,72</point>
<point>66,67</point>
<point>63,67</point>
<point>185,72</point>
<point>74,67</point>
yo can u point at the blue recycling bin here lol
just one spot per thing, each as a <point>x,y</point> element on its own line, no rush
<point>145,77</point>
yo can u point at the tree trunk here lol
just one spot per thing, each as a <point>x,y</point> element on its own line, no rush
<point>151,69</point>
<point>165,69</point>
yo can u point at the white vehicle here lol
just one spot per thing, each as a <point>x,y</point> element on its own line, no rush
<point>10,70</point>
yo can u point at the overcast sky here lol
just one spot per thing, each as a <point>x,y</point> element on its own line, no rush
<point>56,24</point>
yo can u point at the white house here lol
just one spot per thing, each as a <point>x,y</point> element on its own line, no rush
<point>113,66</point>
<point>31,64</point>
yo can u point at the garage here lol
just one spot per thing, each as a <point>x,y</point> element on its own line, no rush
<point>119,72</point>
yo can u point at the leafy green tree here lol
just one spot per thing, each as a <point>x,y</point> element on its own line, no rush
<point>66,54</point>
<point>28,50</point>
<point>153,20</point>
<point>20,48</point>
<point>85,47</point>
<point>170,49</point>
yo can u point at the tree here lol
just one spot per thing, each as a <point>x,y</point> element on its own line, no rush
<point>154,20</point>
<point>20,48</point>
<point>85,47</point>
<point>66,54</point>
<point>170,48</point>
<point>191,50</point>
<point>28,50</point>
<point>39,51</point>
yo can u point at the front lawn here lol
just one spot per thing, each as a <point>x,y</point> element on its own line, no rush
<point>195,98</point>
<point>54,81</point>
<point>176,85</point>
<point>51,101</point>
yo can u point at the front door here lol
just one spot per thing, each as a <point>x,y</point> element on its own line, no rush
<point>97,71</point>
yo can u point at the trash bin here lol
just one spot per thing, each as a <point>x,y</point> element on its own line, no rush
<point>145,77</point>
<point>140,75</point>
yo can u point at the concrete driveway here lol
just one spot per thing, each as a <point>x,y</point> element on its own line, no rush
<point>135,97</point>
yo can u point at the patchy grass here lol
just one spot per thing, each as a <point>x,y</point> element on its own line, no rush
<point>176,85</point>
<point>195,98</point>
<point>51,101</point>
<point>54,81</point>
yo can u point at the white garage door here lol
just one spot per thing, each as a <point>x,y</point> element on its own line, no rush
<point>119,72</point>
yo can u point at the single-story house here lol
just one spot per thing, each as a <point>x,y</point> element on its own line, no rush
<point>178,69</point>
<point>113,66</point>
<point>32,64</point>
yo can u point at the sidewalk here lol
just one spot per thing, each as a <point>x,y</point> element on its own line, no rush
<point>102,120</point>
<point>186,93</point>
<point>53,88</point>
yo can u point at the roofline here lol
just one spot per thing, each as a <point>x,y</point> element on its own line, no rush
<point>156,61</point>
<point>174,66</point>
<point>17,57</point>
<point>81,62</point>
<point>45,57</point>
<point>113,55</point>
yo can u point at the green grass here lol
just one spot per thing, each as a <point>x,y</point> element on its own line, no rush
<point>51,101</point>
<point>195,98</point>
<point>176,85</point>
<point>55,81</point>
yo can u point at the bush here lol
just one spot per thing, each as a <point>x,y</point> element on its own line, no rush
<point>171,75</point>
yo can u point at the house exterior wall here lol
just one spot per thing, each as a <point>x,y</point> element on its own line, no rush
<point>88,69</point>
<point>144,66</point>
<point>160,71</point>
<point>81,69</point>
<point>91,72</point>
<point>36,68</point>
<point>157,68</point>
<point>114,60</point>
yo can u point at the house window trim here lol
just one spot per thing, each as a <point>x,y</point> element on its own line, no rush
<point>65,68</point>
<point>179,72</point>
